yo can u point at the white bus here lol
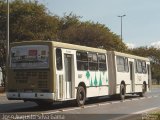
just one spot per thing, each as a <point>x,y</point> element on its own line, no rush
<point>48,71</point>
<point>128,74</point>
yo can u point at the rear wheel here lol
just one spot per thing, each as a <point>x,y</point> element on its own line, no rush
<point>81,96</point>
<point>122,91</point>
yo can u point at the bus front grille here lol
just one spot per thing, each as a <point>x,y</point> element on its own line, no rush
<point>42,84</point>
<point>31,79</point>
<point>42,80</point>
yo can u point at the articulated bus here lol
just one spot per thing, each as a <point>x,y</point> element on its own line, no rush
<point>49,71</point>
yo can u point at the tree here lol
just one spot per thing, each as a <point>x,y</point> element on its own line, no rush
<point>30,21</point>
<point>89,34</point>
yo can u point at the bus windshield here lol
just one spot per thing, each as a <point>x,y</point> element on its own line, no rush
<point>29,57</point>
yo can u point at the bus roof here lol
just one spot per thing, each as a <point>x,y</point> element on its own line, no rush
<point>77,47</point>
<point>60,44</point>
<point>129,55</point>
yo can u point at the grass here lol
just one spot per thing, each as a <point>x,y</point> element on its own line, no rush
<point>152,115</point>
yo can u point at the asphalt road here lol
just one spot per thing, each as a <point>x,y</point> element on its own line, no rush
<point>133,107</point>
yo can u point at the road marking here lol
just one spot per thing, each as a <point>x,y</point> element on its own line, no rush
<point>115,102</point>
<point>127,100</point>
<point>142,98</point>
<point>90,106</point>
<point>135,99</point>
<point>155,96</point>
<point>149,97</point>
<point>104,104</point>
<point>139,112</point>
<point>78,108</point>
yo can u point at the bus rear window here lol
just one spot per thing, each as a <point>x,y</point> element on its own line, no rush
<point>29,57</point>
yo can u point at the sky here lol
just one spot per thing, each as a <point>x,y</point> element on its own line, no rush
<point>141,25</point>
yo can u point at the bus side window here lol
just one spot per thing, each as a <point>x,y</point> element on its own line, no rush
<point>82,60</point>
<point>59,59</point>
<point>122,64</point>
<point>141,66</point>
<point>93,61</point>
<point>144,67</point>
<point>102,62</point>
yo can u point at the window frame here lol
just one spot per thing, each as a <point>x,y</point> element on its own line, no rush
<point>92,61</point>
<point>102,62</point>
<point>123,65</point>
<point>59,61</point>
<point>81,62</point>
<point>141,66</point>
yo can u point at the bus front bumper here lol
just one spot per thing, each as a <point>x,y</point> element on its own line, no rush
<point>23,95</point>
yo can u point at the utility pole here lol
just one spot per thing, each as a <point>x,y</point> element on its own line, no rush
<point>7,46</point>
<point>7,29</point>
<point>121,16</point>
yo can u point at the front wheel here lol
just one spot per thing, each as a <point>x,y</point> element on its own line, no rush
<point>81,96</point>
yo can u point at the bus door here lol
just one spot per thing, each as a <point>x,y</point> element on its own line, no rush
<point>131,66</point>
<point>68,64</point>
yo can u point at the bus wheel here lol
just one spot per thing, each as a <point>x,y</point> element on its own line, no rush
<point>81,96</point>
<point>122,91</point>
<point>144,89</point>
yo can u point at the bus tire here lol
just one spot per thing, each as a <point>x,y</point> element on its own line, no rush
<point>122,91</point>
<point>81,96</point>
<point>144,89</point>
